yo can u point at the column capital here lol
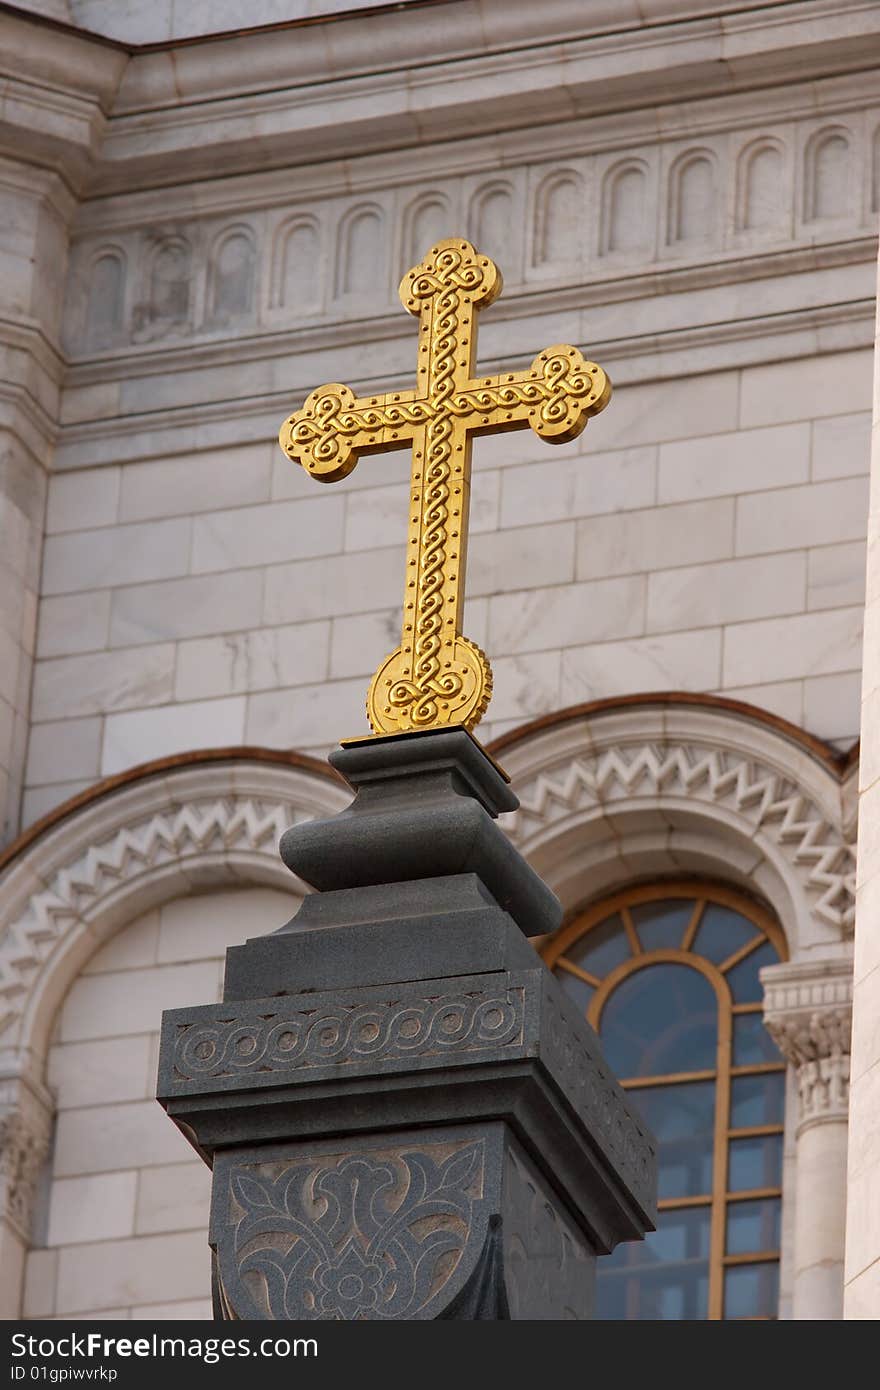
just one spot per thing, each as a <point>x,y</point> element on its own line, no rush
<point>25,1127</point>
<point>808,1014</point>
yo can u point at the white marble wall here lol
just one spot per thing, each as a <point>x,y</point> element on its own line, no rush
<point>862,1271</point>
<point>703,534</point>
<point>120,1227</point>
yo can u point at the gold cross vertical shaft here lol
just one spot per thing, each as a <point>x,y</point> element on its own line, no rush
<point>437,676</point>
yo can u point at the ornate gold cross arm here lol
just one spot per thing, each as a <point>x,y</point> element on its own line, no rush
<point>437,676</point>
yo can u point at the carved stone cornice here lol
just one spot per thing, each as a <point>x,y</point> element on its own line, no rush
<point>113,116</point>
<point>370,90</point>
<point>57,87</point>
<point>808,1013</point>
<point>25,1127</point>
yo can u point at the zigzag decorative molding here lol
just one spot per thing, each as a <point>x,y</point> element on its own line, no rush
<point>817,851</point>
<point>245,825</point>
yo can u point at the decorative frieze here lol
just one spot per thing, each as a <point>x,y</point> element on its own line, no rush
<point>808,1013</point>
<point>297,1036</point>
<point>559,222</point>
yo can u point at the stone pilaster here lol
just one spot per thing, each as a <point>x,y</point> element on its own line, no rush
<point>39,206</point>
<point>863,1186</point>
<point>25,1128</point>
<point>808,1013</point>
<point>58,88</point>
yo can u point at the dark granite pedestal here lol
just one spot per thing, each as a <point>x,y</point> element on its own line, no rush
<point>405,1116</point>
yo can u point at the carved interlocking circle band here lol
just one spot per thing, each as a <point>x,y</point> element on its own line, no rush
<point>436,676</point>
<point>377,1031</point>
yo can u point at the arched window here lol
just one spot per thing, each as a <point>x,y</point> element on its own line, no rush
<point>668,975</point>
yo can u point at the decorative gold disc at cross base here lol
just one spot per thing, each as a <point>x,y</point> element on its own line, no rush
<point>437,677</point>
<point>458,694</point>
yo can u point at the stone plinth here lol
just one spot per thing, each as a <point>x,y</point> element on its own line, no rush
<point>405,1115</point>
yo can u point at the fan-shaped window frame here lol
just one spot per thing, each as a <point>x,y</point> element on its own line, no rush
<point>701,893</point>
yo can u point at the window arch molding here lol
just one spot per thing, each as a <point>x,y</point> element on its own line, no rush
<point>414,243</point>
<point>311,227</point>
<point>132,842</point>
<point>820,184</point>
<point>639,788</point>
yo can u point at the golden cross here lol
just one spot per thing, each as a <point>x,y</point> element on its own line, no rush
<point>437,676</point>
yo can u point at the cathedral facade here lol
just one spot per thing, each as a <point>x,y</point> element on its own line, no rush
<point>202,224</point>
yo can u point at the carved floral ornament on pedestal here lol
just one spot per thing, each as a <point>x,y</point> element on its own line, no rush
<point>350,1234</point>
<point>393,1233</point>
